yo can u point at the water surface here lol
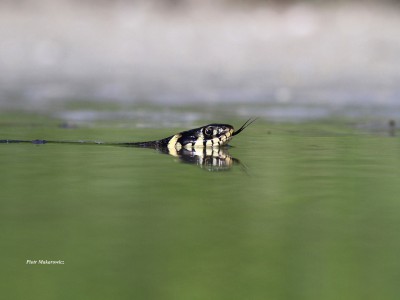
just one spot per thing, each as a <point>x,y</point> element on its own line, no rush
<point>315,215</point>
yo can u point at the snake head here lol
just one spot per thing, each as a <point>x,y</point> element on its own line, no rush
<point>216,134</point>
<point>223,132</point>
<point>211,135</point>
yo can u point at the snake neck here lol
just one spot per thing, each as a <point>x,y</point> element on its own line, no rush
<point>158,144</point>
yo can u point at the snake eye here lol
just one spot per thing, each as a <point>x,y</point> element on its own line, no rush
<point>208,131</point>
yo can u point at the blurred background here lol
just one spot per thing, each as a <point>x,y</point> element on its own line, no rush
<point>312,212</point>
<point>282,60</point>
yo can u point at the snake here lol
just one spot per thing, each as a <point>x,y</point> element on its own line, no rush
<point>204,146</point>
<point>209,136</point>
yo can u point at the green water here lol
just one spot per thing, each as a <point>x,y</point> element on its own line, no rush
<point>316,215</point>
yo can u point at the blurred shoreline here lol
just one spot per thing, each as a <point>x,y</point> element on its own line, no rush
<point>124,52</point>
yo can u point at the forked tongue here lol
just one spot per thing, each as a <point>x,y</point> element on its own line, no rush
<point>245,125</point>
